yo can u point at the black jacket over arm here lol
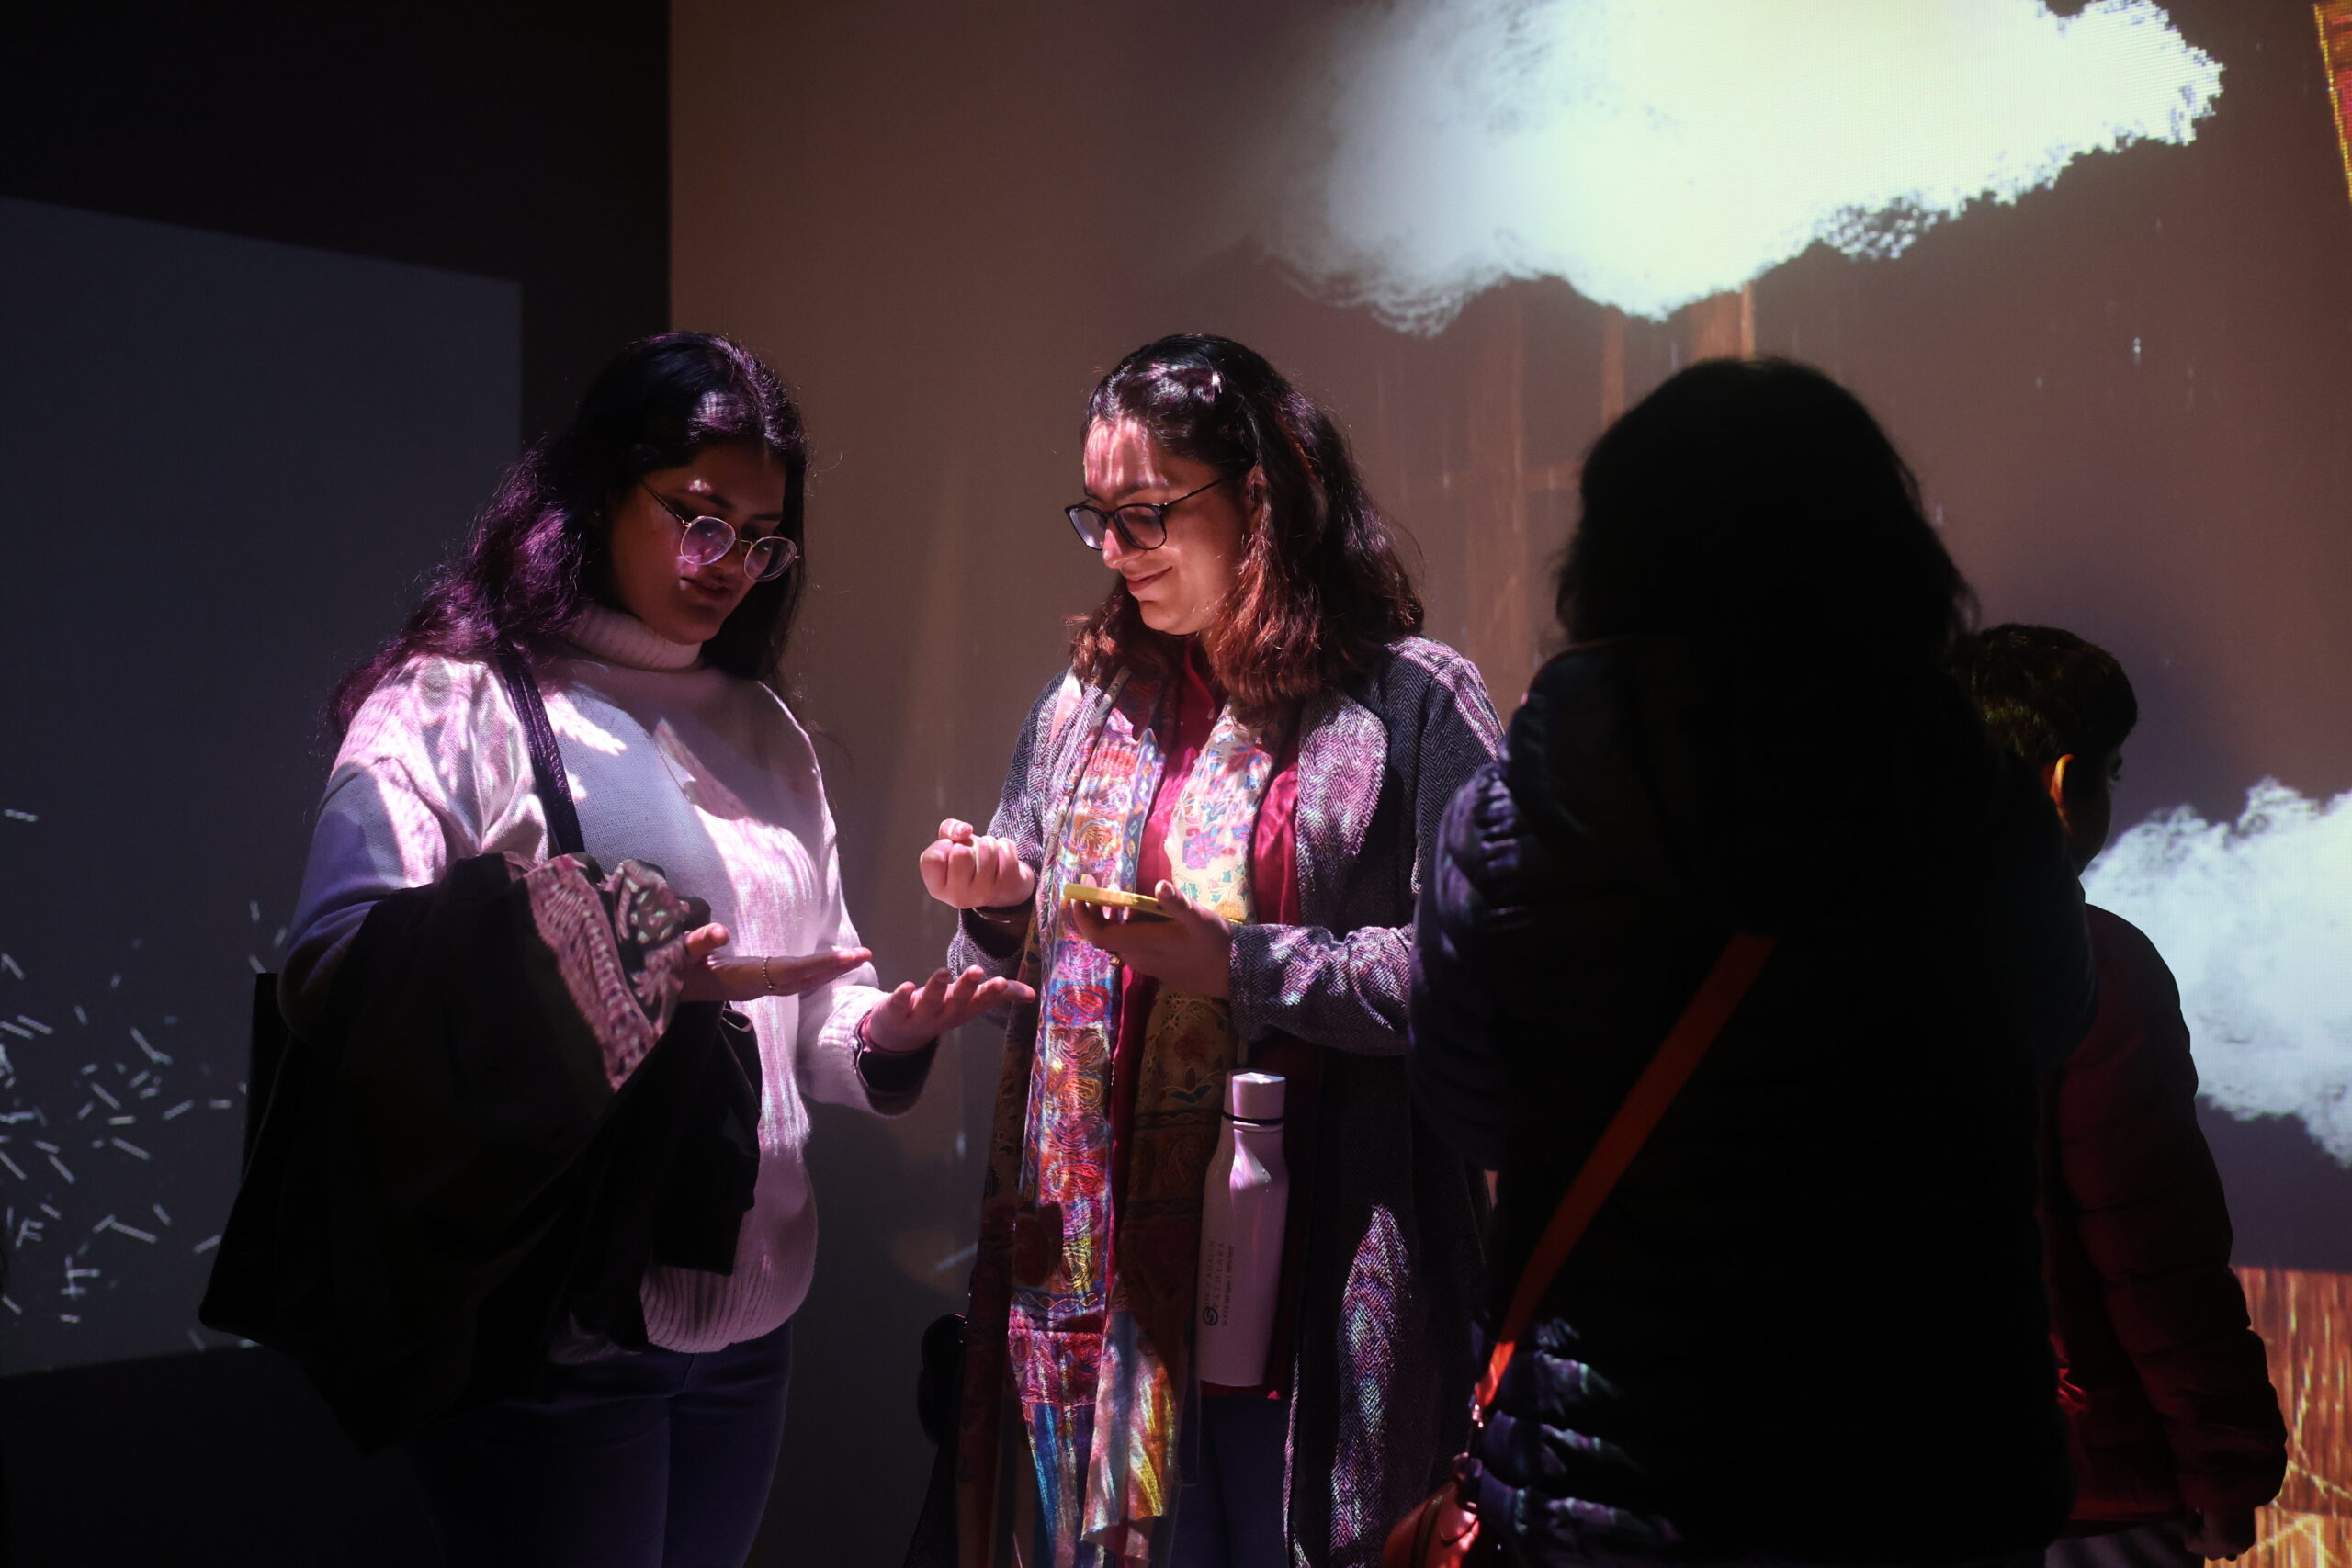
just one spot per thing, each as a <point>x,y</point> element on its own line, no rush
<point>1810,1322</point>
<point>446,1177</point>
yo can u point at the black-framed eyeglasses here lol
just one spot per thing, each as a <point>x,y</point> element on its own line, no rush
<point>1142,524</point>
<point>708,540</point>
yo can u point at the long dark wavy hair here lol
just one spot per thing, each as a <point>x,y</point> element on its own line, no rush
<point>540,550</point>
<point>1756,508</point>
<point>1321,590</point>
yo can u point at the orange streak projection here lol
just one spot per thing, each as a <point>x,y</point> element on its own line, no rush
<point>2305,1321</point>
<point>2334,18</point>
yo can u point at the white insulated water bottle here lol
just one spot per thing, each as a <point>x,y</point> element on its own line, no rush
<point>1243,1213</point>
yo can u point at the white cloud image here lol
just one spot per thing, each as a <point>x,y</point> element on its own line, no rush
<point>2255,918</point>
<point>1652,155</point>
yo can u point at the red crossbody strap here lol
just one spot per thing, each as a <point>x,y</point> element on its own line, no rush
<point>1743,957</point>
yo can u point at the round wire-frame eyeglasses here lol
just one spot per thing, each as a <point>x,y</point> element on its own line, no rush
<point>705,540</point>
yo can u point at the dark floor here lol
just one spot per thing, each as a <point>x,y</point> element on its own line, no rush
<point>190,1460</point>
<point>228,1457</point>
<point>183,1461</point>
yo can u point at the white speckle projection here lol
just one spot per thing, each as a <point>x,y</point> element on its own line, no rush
<point>1652,155</point>
<point>2255,918</point>
<point>334,419</point>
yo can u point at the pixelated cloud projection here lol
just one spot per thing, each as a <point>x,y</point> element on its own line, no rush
<point>1652,155</point>
<point>2255,918</point>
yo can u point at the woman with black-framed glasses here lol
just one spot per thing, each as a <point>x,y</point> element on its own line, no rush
<point>635,577</point>
<point>1252,733</point>
<point>1140,524</point>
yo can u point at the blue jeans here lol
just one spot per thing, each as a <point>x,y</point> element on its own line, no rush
<point>1230,1514</point>
<point>660,1459</point>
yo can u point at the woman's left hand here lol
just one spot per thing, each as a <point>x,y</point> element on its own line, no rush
<point>710,977</point>
<point>1191,951</point>
<point>914,1016</point>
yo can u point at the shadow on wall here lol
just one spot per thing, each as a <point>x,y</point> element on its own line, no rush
<point>855,1462</point>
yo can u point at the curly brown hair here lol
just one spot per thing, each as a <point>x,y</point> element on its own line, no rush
<point>1321,591</point>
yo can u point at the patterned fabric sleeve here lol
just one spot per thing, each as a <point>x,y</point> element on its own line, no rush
<point>1348,992</point>
<point>1348,988</point>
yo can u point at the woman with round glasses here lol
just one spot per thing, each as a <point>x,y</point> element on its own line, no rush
<point>646,562</point>
<point>1252,733</point>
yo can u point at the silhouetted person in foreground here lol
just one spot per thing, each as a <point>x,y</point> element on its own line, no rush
<point>2177,1437</point>
<point>1808,1326</point>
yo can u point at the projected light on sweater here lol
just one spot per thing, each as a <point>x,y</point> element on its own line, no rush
<point>1653,155</point>
<point>2255,917</point>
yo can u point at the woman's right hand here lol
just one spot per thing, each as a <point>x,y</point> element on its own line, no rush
<point>965,870</point>
<point>710,978</point>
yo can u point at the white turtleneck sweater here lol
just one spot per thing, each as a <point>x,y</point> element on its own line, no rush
<point>702,773</point>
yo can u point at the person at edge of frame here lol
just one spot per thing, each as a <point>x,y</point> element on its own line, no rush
<point>2177,1433</point>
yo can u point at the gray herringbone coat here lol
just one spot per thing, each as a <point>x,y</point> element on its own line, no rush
<point>1394,1263</point>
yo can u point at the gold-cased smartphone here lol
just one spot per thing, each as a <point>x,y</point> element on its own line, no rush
<point>1142,905</point>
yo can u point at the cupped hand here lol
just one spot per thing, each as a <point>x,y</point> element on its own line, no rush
<point>967,870</point>
<point>1191,950</point>
<point>914,1016</point>
<point>2219,1536</point>
<point>711,978</point>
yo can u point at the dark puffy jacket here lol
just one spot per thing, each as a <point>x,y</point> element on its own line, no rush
<point>2164,1382</point>
<point>1810,1322</point>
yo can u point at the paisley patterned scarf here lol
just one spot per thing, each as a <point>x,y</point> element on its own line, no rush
<point>1081,1308</point>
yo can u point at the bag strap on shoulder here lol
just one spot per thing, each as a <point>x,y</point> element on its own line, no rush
<point>547,777</point>
<point>1734,971</point>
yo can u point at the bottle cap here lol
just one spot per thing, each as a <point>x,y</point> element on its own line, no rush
<point>1254,1097</point>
